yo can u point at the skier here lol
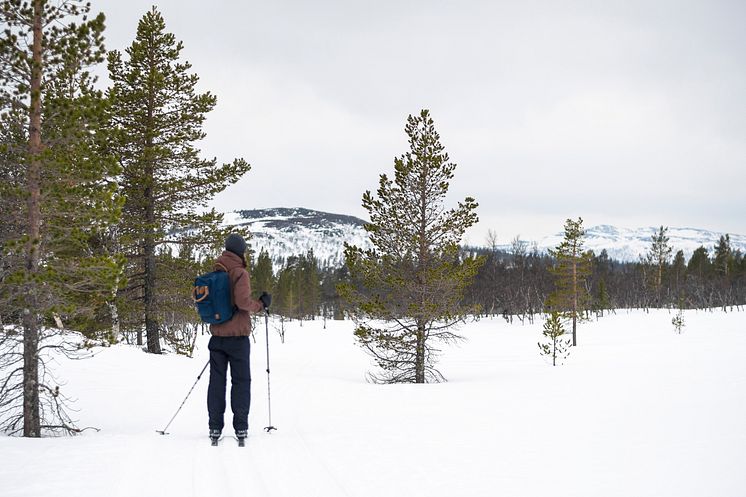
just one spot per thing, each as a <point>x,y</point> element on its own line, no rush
<point>229,344</point>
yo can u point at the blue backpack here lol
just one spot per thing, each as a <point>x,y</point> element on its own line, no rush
<point>213,297</point>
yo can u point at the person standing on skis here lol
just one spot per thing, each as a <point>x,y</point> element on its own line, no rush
<point>229,344</point>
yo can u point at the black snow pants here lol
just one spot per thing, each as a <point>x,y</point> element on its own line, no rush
<point>233,351</point>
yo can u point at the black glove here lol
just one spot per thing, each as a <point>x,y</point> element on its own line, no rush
<point>266,300</point>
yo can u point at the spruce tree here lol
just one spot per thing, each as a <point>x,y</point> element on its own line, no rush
<point>723,257</point>
<point>678,270</point>
<point>262,276</point>
<point>308,285</point>
<point>571,270</point>
<point>284,298</point>
<point>54,129</point>
<point>602,302</point>
<point>699,264</point>
<point>739,261</point>
<point>158,117</point>
<point>413,278</point>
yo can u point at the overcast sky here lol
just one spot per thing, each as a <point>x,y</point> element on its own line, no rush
<point>631,113</point>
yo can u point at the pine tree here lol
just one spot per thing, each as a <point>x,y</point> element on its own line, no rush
<point>413,278</point>
<point>571,269</point>
<point>658,256</point>
<point>158,116</point>
<point>53,124</point>
<point>553,331</point>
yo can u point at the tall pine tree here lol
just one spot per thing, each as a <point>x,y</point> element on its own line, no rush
<point>571,270</point>
<point>413,279</point>
<point>158,117</point>
<point>53,131</point>
<point>658,256</point>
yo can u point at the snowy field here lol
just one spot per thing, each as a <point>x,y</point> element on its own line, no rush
<point>637,410</point>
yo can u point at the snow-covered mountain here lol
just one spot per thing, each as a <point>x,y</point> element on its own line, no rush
<point>284,232</point>
<point>625,244</point>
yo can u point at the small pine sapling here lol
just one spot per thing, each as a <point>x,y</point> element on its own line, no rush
<point>556,346</point>
<point>678,322</point>
<point>678,319</point>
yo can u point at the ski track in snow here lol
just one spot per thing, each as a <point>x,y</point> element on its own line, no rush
<point>299,461</point>
<point>226,470</point>
<point>271,464</point>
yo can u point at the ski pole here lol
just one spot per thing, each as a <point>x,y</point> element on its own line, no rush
<point>163,431</point>
<point>269,428</point>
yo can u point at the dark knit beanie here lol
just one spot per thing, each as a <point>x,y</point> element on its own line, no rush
<point>236,244</point>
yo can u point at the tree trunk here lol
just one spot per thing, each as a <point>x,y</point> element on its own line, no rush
<point>31,417</point>
<point>151,321</point>
<point>574,302</point>
<point>114,313</point>
<point>419,369</point>
<point>423,259</point>
<point>554,351</point>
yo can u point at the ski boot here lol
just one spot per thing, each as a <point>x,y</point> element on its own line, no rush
<point>215,437</point>
<point>241,437</point>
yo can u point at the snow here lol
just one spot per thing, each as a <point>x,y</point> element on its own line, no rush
<point>637,410</point>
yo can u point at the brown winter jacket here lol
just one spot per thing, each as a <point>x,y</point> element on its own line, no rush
<point>240,324</point>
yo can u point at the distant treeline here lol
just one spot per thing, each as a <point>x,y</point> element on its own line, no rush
<point>516,283</point>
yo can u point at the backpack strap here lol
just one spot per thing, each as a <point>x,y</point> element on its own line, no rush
<point>225,269</point>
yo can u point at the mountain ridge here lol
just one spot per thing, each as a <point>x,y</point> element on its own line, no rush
<point>285,232</point>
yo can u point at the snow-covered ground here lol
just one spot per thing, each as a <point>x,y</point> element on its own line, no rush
<point>637,410</point>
